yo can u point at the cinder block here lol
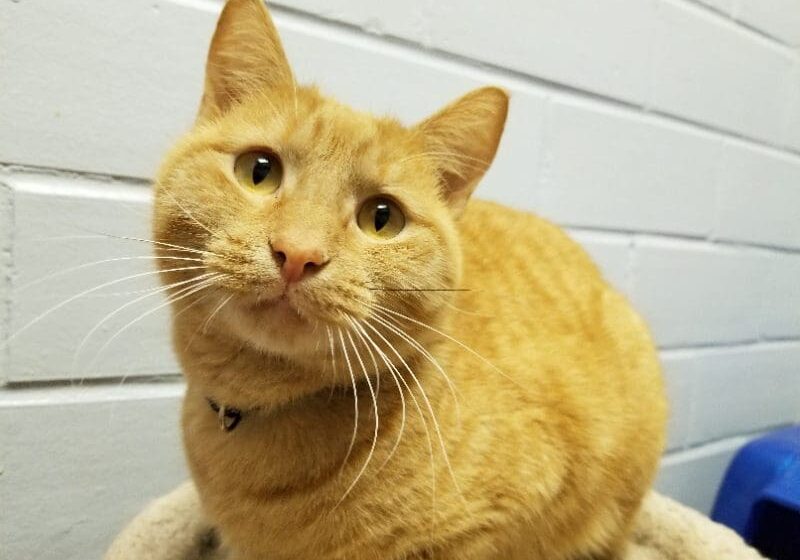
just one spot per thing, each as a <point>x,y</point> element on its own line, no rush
<point>601,48</point>
<point>742,390</point>
<point>112,101</point>
<point>712,71</point>
<point>60,226</point>
<point>78,463</point>
<point>724,6</point>
<point>780,313</point>
<point>680,382</point>
<point>6,227</point>
<point>693,477</point>
<point>611,253</point>
<point>697,294</point>
<point>792,127</point>
<point>777,18</point>
<point>614,169</point>
<point>759,197</point>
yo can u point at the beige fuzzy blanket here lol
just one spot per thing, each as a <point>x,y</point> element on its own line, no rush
<point>171,528</point>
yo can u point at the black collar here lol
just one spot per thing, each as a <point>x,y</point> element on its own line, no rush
<point>229,417</point>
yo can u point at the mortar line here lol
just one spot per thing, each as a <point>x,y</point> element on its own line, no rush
<point>720,442</point>
<point>437,55</point>
<point>109,381</point>
<point>7,269</point>
<point>699,241</point>
<point>733,19</point>
<point>750,344</point>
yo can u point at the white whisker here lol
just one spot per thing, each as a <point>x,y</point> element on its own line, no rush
<point>186,308</point>
<point>416,403</point>
<point>215,312</point>
<point>114,313</point>
<point>189,214</point>
<point>355,399</point>
<point>428,356</point>
<point>95,263</point>
<point>160,244</point>
<point>179,295</point>
<point>429,406</point>
<point>334,372</point>
<point>386,311</point>
<point>368,339</point>
<point>377,423</point>
<point>69,300</point>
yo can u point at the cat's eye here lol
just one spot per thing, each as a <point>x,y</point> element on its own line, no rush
<point>380,217</point>
<point>259,171</point>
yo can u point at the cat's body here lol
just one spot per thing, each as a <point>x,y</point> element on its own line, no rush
<point>519,400</point>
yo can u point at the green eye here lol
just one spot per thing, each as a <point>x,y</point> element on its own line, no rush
<point>381,218</point>
<point>259,171</point>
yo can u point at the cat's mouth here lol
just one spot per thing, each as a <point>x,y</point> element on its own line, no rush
<point>280,305</point>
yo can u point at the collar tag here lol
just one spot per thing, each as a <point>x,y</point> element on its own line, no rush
<point>227,416</point>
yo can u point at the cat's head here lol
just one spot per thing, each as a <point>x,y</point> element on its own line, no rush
<point>304,214</point>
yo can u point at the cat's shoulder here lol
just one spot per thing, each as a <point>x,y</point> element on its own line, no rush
<point>509,224</point>
<point>522,237</point>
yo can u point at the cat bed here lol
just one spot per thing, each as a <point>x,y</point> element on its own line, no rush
<point>172,528</point>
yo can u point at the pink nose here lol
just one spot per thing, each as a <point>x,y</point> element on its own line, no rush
<point>295,260</point>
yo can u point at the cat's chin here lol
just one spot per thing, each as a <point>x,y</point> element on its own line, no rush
<point>279,309</point>
<point>275,326</point>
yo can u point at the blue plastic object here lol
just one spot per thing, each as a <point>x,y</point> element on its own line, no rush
<point>760,495</point>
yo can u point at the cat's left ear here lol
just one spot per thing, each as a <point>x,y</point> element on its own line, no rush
<point>463,139</point>
<point>246,56</point>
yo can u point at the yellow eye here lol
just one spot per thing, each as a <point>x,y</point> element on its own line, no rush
<point>259,171</point>
<point>380,217</point>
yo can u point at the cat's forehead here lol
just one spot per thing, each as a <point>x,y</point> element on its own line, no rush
<point>322,143</point>
<point>309,130</point>
<point>337,133</point>
<point>330,131</point>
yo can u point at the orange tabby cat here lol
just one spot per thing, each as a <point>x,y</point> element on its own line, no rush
<point>378,368</point>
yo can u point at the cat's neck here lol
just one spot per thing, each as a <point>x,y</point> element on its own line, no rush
<point>236,375</point>
<point>297,445</point>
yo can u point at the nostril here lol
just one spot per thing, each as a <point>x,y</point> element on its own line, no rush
<point>311,267</point>
<point>296,261</point>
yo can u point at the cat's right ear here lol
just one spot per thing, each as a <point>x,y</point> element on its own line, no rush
<point>246,56</point>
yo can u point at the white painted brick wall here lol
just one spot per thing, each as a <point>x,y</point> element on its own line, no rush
<point>665,134</point>
<point>732,390</point>
<point>78,463</point>
<point>695,293</point>
<point>571,42</point>
<point>774,179</point>
<point>61,224</point>
<point>777,18</point>
<point>792,127</point>
<point>724,6</point>
<point>741,84</point>
<point>780,318</point>
<point>613,169</point>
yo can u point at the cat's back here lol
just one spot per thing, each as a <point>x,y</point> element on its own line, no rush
<point>518,265</point>
<point>538,306</point>
<point>572,414</point>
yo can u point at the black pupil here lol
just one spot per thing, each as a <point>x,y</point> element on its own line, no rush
<point>261,169</point>
<point>382,214</point>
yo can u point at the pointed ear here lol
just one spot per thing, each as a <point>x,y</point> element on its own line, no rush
<point>463,138</point>
<point>246,56</point>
